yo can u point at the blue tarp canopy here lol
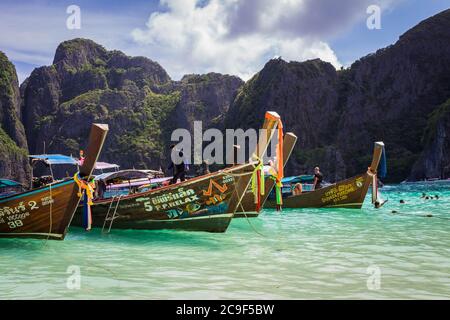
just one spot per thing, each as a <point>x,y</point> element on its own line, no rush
<point>54,159</point>
<point>104,165</point>
<point>123,175</point>
<point>296,179</point>
<point>5,183</point>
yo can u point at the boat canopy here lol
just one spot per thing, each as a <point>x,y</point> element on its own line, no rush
<point>122,175</point>
<point>6,183</point>
<point>54,159</point>
<point>106,165</point>
<point>297,179</point>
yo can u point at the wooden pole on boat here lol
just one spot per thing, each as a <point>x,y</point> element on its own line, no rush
<point>97,138</point>
<point>290,139</point>
<point>271,121</point>
<point>377,153</point>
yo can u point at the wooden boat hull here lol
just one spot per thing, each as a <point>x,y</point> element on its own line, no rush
<point>206,204</point>
<point>39,213</point>
<point>46,212</point>
<point>247,208</point>
<point>349,193</point>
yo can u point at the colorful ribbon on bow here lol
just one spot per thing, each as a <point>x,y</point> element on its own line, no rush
<point>280,158</point>
<point>258,183</point>
<point>85,190</point>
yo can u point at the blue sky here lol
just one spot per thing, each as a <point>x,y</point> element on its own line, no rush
<point>227,36</point>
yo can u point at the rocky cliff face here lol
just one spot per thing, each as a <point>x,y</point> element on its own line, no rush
<point>434,160</point>
<point>398,94</point>
<point>134,95</point>
<point>306,96</point>
<point>13,143</point>
<point>389,96</point>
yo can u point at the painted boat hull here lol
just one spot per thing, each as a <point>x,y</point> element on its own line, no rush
<point>248,208</point>
<point>39,213</point>
<point>46,212</point>
<point>349,193</point>
<point>206,204</point>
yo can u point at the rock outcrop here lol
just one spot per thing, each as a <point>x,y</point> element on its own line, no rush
<point>398,94</point>
<point>13,143</point>
<point>134,95</point>
<point>389,95</point>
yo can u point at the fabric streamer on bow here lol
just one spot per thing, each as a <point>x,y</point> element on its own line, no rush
<point>258,183</point>
<point>86,191</point>
<point>280,157</point>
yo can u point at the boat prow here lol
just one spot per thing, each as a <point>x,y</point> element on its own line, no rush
<point>46,212</point>
<point>204,203</point>
<point>349,193</point>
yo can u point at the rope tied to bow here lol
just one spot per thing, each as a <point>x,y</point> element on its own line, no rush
<point>280,165</point>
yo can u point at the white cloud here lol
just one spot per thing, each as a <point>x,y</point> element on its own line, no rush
<point>191,38</point>
<point>186,36</point>
<point>32,31</point>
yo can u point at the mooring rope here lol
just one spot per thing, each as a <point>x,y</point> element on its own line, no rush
<point>50,213</point>
<point>246,217</point>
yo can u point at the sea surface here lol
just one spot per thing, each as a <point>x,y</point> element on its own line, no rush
<point>297,254</point>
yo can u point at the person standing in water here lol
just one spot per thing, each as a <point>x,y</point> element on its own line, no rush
<point>318,177</point>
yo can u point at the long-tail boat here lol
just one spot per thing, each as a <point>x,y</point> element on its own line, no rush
<point>248,208</point>
<point>204,203</point>
<point>348,193</point>
<point>46,212</point>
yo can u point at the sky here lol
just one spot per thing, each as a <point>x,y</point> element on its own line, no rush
<point>198,36</point>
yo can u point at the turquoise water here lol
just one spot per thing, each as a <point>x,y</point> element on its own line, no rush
<point>298,254</point>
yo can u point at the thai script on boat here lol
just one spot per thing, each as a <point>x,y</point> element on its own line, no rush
<point>172,196</point>
<point>129,205</point>
<point>14,215</point>
<point>142,199</point>
<point>21,207</point>
<point>215,199</point>
<point>18,216</point>
<point>227,179</point>
<point>174,213</point>
<point>341,192</point>
<point>47,200</point>
<point>171,200</point>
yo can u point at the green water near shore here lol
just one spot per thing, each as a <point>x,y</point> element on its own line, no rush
<point>298,254</point>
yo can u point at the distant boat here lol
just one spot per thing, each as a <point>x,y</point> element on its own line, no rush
<point>47,211</point>
<point>204,203</point>
<point>248,207</point>
<point>348,193</point>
